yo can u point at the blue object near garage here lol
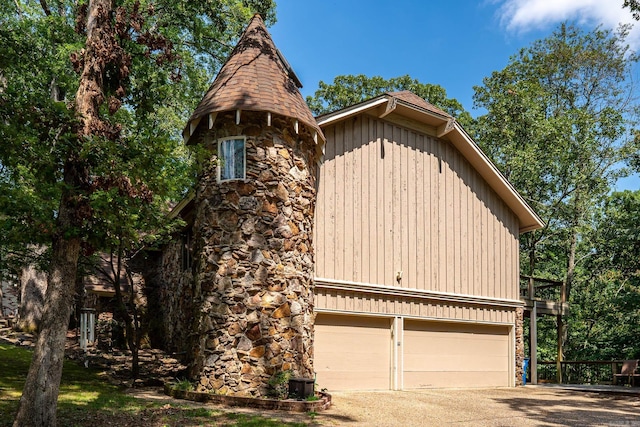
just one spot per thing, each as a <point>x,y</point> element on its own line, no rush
<point>525,366</point>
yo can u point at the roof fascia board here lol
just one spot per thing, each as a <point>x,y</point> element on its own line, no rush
<point>529,220</point>
<point>351,111</point>
<point>424,111</point>
<point>175,212</point>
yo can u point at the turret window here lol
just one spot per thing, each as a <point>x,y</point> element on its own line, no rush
<point>232,158</point>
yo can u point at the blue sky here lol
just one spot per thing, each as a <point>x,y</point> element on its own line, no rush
<point>454,44</point>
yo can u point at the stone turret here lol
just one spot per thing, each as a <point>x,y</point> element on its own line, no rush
<point>253,223</point>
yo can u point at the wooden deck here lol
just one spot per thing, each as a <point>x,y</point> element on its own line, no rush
<point>548,307</point>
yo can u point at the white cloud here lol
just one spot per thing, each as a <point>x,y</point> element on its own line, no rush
<point>529,15</point>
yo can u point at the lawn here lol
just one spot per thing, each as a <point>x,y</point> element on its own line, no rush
<point>88,399</point>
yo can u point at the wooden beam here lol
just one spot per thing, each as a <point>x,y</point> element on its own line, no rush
<point>551,285</point>
<point>295,127</point>
<point>193,125</point>
<point>541,279</point>
<point>560,351</point>
<point>212,119</point>
<point>444,129</point>
<point>238,116</point>
<point>391,106</point>
<point>269,118</point>
<point>190,129</point>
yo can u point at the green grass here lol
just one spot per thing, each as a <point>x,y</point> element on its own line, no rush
<point>88,399</point>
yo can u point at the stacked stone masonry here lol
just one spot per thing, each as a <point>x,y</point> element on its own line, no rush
<point>254,261</point>
<point>519,330</point>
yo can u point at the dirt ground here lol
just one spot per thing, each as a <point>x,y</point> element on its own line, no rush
<point>523,406</point>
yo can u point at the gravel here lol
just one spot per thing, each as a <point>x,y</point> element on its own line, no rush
<point>528,406</point>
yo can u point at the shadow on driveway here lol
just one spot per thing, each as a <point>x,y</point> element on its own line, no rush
<point>523,406</point>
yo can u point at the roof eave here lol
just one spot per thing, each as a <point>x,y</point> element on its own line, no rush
<point>362,107</point>
<point>193,123</point>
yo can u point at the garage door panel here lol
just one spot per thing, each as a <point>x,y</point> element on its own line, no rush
<point>352,352</point>
<point>454,379</point>
<point>455,355</point>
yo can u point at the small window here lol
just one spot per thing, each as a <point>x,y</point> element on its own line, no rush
<point>231,158</point>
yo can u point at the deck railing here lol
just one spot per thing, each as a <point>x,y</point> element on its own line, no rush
<point>580,371</point>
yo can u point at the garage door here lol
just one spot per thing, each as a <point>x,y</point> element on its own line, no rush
<point>352,353</point>
<point>454,355</point>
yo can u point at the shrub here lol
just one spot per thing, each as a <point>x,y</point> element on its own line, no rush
<point>278,385</point>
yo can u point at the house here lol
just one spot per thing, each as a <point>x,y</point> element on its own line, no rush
<point>375,247</point>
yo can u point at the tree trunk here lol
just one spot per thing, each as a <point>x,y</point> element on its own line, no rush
<point>39,398</point>
<point>131,329</point>
<point>40,395</point>
<point>571,262</point>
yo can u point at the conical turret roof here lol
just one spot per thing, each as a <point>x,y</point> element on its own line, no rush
<point>256,77</point>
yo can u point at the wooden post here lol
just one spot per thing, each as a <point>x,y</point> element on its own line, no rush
<point>531,288</point>
<point>560,334</point>
<point>533,345</point>
<point>559,357</point>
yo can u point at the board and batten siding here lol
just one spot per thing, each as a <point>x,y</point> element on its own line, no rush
<point>392,199</point>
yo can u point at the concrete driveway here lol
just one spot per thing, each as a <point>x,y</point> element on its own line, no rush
<point>523,406</point>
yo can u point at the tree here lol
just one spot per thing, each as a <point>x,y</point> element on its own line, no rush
<point>348,90</point>
<point>136,69</point>
<point>559,126</point>
<point>605,316</point>
<point>634,7</point>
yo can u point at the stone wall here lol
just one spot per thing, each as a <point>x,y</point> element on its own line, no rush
<point>519,329</point>
<point>254,259</point>
<point>174,295</point>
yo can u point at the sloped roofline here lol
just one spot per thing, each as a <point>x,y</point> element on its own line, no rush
<point>449,129</point>
<point>255,77</point>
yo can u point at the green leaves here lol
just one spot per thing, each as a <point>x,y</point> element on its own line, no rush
<point>606,303</point>
<point>186,41</point>
<point>348,90</point>
<point>560,126</point>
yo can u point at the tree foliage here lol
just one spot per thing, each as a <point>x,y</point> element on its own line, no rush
<point>348,90</point>
<point>559,125</point>
<point>606,306</point>
<point>634,7</point>
<point>91,96</point>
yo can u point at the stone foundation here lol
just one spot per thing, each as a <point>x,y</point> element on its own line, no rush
<point>254,260</point>
<point>519,330</point>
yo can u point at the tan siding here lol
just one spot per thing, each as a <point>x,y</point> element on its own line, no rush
<point>356,302</point>
<point>392,199</point>
<point>421,213</point>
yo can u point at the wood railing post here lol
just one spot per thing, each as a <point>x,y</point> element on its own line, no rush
<point>559,357</point>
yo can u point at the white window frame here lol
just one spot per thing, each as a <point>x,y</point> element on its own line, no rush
<point>221,160</point>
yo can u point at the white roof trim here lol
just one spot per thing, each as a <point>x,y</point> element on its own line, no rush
<point>349,111</point>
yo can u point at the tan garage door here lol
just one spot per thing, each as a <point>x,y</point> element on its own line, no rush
<point>352,353</point>
<point>455,355</point>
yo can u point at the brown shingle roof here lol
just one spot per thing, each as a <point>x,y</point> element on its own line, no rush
<point>412,98</point>
<point>256,78</point>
